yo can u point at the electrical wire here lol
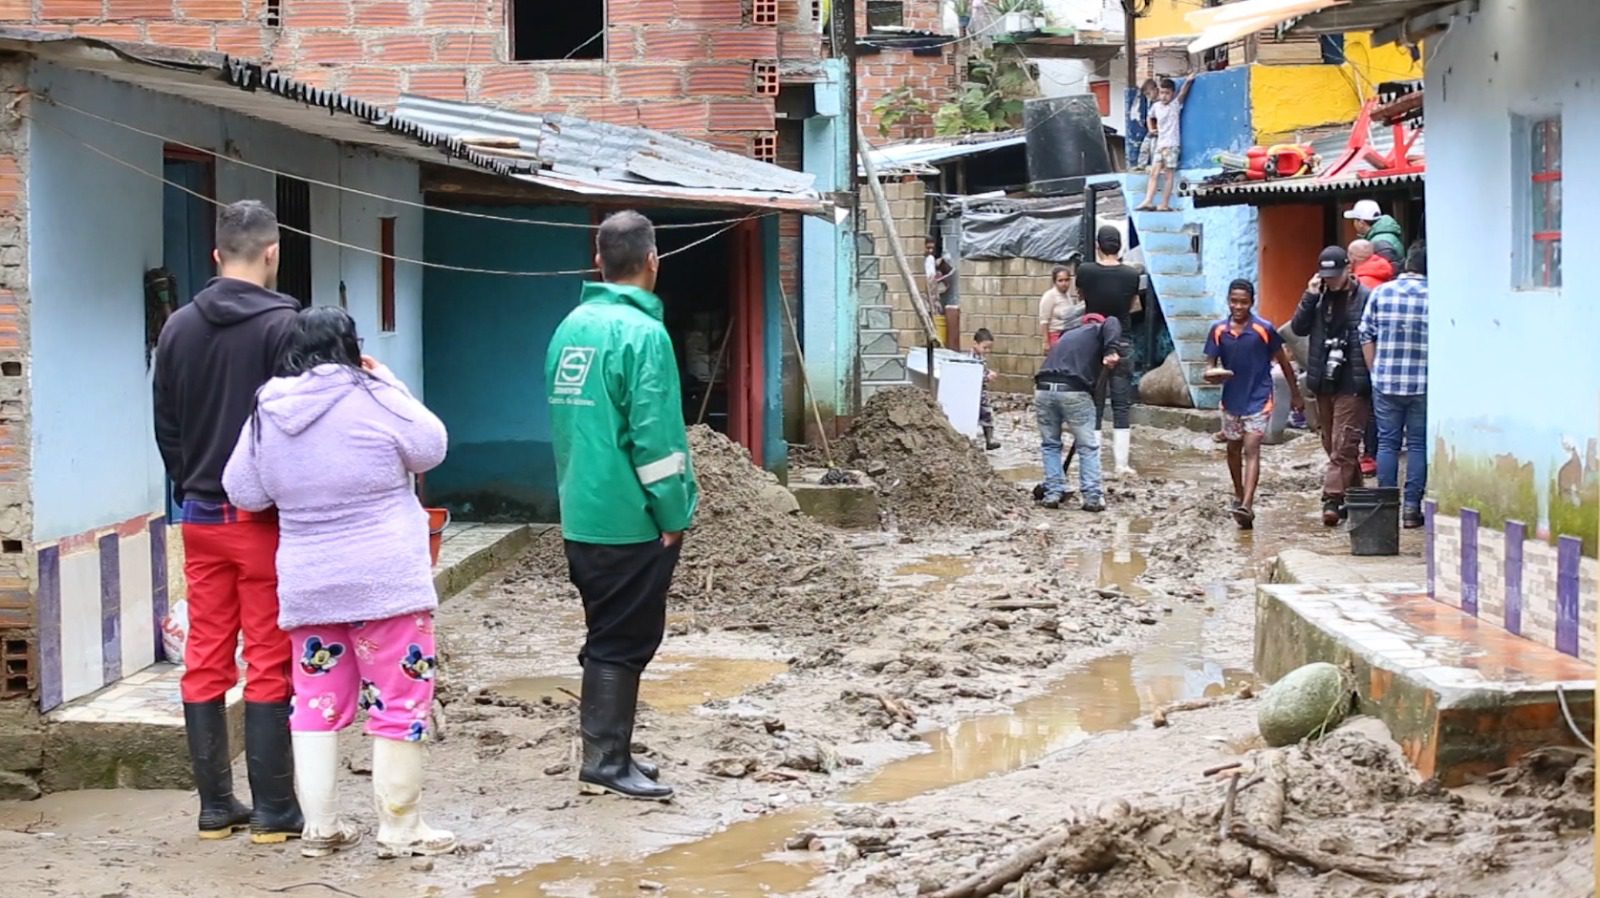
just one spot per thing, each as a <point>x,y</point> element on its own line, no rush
<point>438,266</point>
<point>464,213</point>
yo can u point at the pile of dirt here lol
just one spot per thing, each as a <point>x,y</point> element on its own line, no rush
<point>751,561</point>
<point>930,475</point>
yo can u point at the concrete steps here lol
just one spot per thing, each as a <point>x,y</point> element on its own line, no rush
<point>880,360</point>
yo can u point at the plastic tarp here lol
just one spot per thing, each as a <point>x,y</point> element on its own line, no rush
<point>1047,234</point>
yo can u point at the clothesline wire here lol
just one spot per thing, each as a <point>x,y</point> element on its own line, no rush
<point>438,266</point>
<point>464,213</point>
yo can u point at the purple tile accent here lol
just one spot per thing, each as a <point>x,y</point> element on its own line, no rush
<point>1430,510</point>
<point>110,608</point>
<point>49,627</point>
<point>1516,535</point>
<point>1569,552</point>
<point>1469,561</point>
<point>158,574</point>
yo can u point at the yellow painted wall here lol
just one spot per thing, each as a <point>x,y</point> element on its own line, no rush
<point>1289,98</point>
<point>1166,19</point>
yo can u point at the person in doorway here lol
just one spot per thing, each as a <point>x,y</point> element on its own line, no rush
<point>1242,350</point>
<point>1064,399</point>
<point>332,445</point>
<point>1109,288</point>
<point>1329,315</point>
<point>627,490</point>
<point>1384,232</point>
<point>982,346</point>
<point>933,280</point>
<point>1141,144</point>
<point>1394,339</point>
<point>1059,307</point>
<point>949,274</point>
<point>1166,121</point>
<point>1371,269</point>
<point>212,356</point>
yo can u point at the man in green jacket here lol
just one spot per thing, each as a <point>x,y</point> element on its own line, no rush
<point>627,490</point>
<point>1382,230</point>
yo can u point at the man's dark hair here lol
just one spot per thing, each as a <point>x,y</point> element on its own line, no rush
<point>1169,84</point>
<point>1108,239</point>
<point>1242,284</point>
<point>245,230</point>
<point>1417,258</point>
<point>983,336</point>
<point>625,242</point>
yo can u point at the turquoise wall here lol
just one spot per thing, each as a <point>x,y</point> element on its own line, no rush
<point>483,348</point>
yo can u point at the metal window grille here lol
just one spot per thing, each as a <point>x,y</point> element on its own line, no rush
<point>294,265</point>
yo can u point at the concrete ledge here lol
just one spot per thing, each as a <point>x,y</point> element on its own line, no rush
<point>471,550</point>
<point>1303,566</point>
<point>1462,697</point>
<point>851,506</point>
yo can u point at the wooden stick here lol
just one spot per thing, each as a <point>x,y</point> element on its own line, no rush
<point>1266,813</point>
<point>490,140</point>
<point>1227,805</point>
<point>805,376</point>
<point>1159,718</point>
<point>1094,854</point>
<point>1213,771</point>
<point>1020,605</point>
<point>896,709</point>
<point>722,354</point>
<point>1323,862</point>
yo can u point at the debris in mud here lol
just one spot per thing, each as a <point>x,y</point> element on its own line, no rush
<point>930,475</point>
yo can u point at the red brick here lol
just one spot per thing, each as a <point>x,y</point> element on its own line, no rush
<point>383,14</point>
<point>441,84</point>
<point>639,82</point>
<point>373,84</point>
<point>661,45</point>
<point>130,9</point>
<point>457,14</point>
<point>480,48</point>
<point>721,80</point>
<point>675,116</point>
<point>316,77</point>
<point>750,115</point>
<point>621,45</point>
<point>244,41</point>
<point>564,85</point>
<point>70,9</point>
<point>506,81</point>
<point>212,10</point>
<point>800,46</point>
<point>719,12</point>
<point>397,49</point>
<point>301,14</point>
<point>108,31</point>
<point>11,184</point>
<point>733,143</point>
<point>611,113</point>
<point>641,12</point>
<point>325,48</point>
<point>16,10</point>
<point>177,34</point>
<point>747,43</point>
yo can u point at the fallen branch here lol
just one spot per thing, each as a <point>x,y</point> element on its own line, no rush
<point>1094,854</point>
<point>565,691</point>
<point>307,885</point>
<point>1323,862</point>
<point>896,709</point>
<point>1266,813</point>
<point>1227,805</point>
<point>1020,605</point>
<point>1159,718</point>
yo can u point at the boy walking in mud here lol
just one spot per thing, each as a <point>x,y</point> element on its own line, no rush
<point>627,490</point>
<point>1242,350</point>
<point>982,345</point>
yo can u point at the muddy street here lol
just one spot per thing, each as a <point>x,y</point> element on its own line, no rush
<point>873,713</point>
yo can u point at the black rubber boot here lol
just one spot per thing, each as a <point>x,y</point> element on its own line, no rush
<point>988,439</point>
<point>610,699</point>
<point>270,759</point>
<point>206,725</point>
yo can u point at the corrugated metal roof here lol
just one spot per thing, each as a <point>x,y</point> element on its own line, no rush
<point>1330,147</point>
<point>919,156</point>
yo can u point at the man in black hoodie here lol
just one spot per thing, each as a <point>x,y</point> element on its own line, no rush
<point>212,357</point>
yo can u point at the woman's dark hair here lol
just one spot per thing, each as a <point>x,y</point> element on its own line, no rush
<point>1242,284</point>
<point>325,335</point>
<point>1148,84</point>
<point>1059,271</point>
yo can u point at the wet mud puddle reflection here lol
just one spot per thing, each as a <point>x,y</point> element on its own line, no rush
<point>749,857</point>
<point>674,684</point>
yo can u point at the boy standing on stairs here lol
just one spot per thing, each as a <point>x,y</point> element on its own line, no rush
<point>1165,120</point>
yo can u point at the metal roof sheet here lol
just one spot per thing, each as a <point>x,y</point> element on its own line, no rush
<point>919,156</point>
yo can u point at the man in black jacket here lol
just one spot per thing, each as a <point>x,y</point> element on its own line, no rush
<point>1064,399</point>
<point>1330,316</point>
<point>212,357</point>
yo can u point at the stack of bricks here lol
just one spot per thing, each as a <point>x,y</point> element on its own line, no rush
<point>706,69</point>
<point>933,77</point>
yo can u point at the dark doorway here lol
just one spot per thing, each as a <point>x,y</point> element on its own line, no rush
<point>188,231</point>
<point>294,216</point>
<point>573,29</point>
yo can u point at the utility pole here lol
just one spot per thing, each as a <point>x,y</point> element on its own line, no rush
<point>844,41</point>
<point>1130,42</point>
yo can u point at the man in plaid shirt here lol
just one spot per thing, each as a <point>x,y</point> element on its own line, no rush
<point>1394,338</point>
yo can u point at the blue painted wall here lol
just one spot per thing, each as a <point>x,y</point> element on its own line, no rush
<point>485,350</point>
<point>1513,372</point>
<point>95,227</point>
<point>776,451</point>
<point>1216,118</point>
<point>829,296</point>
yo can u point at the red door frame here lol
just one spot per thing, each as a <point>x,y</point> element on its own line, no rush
<point>747,366</point>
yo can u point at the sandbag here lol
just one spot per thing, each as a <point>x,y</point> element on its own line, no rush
<point>1165,385</point>
<point>1307,702</point>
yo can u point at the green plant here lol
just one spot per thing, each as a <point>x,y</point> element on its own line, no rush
<point>1032,7</point>
<point>990,99</point>
<point>895,106</point>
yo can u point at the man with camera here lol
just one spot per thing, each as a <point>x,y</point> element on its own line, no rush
<point>1336,372</point>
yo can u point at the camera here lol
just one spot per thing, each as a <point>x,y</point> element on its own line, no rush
<point>1334,363</point>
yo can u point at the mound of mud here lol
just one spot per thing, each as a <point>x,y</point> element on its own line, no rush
<point>751,560</point>
<point>929,474</point>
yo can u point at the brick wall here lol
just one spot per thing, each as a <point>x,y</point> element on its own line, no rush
<point>933,78</point>
<point>702,68</point>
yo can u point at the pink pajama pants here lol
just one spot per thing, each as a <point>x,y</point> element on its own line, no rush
<point>384,667</point>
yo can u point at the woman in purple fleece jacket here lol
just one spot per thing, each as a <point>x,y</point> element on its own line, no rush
<point>333,444</point>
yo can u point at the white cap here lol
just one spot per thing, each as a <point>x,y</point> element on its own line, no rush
<point>1365,210</point>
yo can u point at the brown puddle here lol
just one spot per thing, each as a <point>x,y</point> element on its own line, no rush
<point>944,570</point>
<point>672,685</point>
<point>748,858</point>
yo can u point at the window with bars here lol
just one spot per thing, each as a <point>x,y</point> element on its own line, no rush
<point>1538,248</point>
<point>885,14</point>
<point>386,312</point>
<point>541,30</point>
<point>294,248</point>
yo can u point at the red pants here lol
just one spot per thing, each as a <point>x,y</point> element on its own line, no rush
<point>233,585</point>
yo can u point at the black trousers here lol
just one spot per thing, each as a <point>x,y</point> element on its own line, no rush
<point>624,591</point>
<point>1117,385</point>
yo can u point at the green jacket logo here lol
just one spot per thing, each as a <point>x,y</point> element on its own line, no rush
<point>572,371</point>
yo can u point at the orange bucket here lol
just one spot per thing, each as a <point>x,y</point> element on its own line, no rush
<point>438,520</point>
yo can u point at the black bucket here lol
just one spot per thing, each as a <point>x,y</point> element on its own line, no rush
<point>1374,520</point>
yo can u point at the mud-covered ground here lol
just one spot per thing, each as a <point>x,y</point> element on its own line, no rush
<point>880,714</point>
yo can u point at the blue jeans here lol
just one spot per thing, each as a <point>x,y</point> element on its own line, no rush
<point>1073,412</point>
<point>1403,417</point>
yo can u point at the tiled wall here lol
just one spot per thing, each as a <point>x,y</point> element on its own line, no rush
<point>102,596</point>
<point>1543,592</point>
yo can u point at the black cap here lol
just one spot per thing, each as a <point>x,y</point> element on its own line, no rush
<point>1109,239</point>
<point>1333,262</point>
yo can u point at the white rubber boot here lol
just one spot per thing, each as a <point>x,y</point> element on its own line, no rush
<point>1121,450</point>
<point>316,780</point>
<point>397,785</point>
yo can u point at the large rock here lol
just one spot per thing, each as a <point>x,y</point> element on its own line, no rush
<point>17,787</point>
<point>1308,701</point>
<point>1165,385</point>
